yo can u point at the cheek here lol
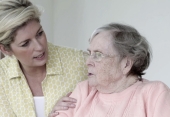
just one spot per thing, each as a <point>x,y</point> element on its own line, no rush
<point>104,73</point>
<point>44,43</point>
<point>44,40</point>
<point>25,57</point>
<point>108,72</point>
<point>23,54</point>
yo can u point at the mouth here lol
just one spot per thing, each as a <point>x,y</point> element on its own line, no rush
<point>90,74</point>
<point>41,56</point>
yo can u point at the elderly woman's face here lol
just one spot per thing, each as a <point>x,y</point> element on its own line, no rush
<point>102,74</point>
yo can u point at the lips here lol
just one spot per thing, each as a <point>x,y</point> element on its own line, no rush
<point>90,74</point>
<point>40,56</point>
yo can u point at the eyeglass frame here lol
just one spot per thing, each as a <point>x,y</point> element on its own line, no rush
<point>96,58</point>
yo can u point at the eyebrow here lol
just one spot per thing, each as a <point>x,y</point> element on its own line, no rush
<point>28,39</point>
<point>94,50</point>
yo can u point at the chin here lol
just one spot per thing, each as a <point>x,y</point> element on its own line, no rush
<point>44,63</point>
<point>91,82</point>
<point>40,64</point>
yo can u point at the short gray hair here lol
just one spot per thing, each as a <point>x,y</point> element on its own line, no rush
<point>13,15</point>
<point>129,43</point>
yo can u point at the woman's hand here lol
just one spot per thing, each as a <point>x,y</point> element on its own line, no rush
<point>63,104</point>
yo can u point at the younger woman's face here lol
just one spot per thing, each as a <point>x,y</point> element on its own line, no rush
<point>30,45</point>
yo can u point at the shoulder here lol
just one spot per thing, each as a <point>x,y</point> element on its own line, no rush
<point>152,88</point>
<point>153,85</point>
<point>6,63</point>
<point>68,56</point>
<point>64,50</point>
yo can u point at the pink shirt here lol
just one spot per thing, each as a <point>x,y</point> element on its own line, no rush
<point>143,99</point>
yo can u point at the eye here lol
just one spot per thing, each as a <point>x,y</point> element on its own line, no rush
<point>86,54</point>
<point>25,44</point>
<point>40,33</point>
<point>98,54</point>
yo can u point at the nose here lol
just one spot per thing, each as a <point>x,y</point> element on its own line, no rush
<point>89,61</point>
<point>37,45</point>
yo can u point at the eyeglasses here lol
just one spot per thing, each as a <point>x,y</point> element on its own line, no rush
<point>96,56</point>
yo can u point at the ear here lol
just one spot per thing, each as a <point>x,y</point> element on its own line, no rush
<point>126,65</point>
<point>4,51</point>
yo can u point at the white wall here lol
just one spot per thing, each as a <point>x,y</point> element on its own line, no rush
<point>76,19</point>
<point>46,17</point>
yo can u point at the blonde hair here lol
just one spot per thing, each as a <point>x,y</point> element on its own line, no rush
<point>13,15</point>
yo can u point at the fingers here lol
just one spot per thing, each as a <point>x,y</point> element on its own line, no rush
<point>68,99</point>
<point>68,94</point>
<point>53,114</point>
<point>64,106</point>
<point>65,103</point>
<point>59,108</point>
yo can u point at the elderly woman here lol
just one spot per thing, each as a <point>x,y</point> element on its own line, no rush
<point>116,60</point>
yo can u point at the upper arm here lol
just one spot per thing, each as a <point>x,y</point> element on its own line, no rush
<point>158,104</point>
<point>162,106</point>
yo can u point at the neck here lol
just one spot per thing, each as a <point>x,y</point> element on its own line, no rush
<point>120,85</point>
<point>33,71</point>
